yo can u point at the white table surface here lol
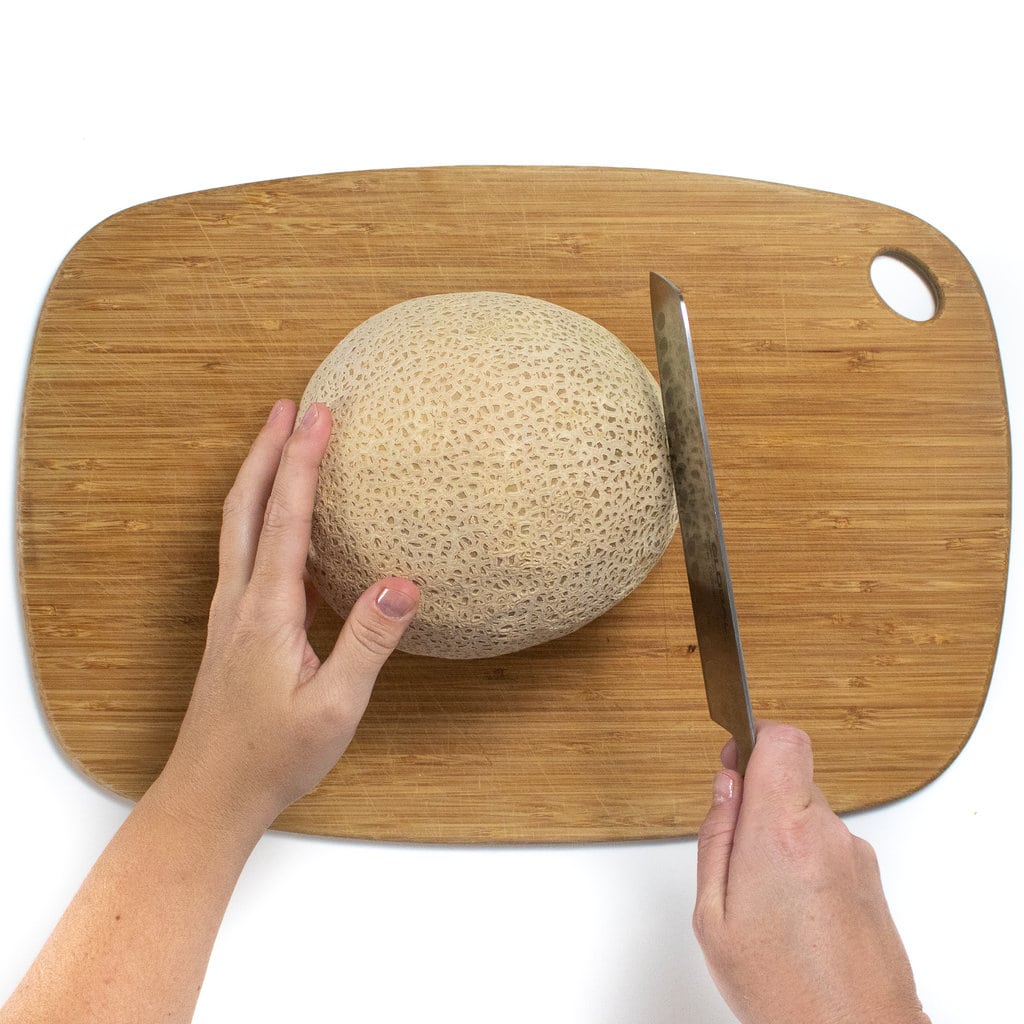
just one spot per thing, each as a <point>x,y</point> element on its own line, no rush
<point>112,104</point>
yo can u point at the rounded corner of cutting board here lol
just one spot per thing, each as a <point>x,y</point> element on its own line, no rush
<point>235,294</point>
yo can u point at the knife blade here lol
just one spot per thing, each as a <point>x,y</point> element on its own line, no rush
<point>700,520</point>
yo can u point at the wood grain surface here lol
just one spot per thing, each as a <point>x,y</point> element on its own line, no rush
<point>862,461</point>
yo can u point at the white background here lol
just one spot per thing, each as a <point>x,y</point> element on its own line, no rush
<point>111,104</point>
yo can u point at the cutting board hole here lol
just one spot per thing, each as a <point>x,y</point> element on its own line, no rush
<point>905,286</point>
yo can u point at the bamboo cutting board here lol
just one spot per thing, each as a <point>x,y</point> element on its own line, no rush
<point>862,461</point>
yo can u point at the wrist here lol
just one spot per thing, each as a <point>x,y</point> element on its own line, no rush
<point>883,1016</point>
<point>204,809</point>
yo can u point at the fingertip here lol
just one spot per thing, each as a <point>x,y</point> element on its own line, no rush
<point>280,410</point>
<point>730,754</point>
<point>397,598</point>
<point>714,846</point>
<point>726,786</point>
<point>314,419</point>
<point>372,630</point>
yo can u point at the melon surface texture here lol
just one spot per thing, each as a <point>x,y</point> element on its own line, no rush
<point>507,454</point>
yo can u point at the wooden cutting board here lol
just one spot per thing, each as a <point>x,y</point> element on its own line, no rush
<point>862,461</point>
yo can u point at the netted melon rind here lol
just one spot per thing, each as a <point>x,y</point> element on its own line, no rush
<point>505,453</point>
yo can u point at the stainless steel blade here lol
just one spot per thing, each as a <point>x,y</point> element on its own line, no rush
<point>700,522</point>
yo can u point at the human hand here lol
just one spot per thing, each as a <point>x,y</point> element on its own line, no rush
<point>790,911</point>
<point>267,720</point>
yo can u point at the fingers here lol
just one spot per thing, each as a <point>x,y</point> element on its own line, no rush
<point>246,502</point>
<point>280,560</point>
<point>313,602</point>
<point>714,849</point>
<point>369,636</point>
<point>730,755</point>
<point>780,776</point>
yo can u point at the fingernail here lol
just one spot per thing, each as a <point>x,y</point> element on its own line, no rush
<point>395,604</point>
<point>312,415</point>
<point>724,788</point>
<point>275,411</point>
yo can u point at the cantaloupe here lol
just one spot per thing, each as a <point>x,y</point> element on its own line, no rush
<point>507,454</point>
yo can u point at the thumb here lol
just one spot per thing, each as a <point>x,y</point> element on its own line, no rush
<point>369,636</point>
<point>714,849</point>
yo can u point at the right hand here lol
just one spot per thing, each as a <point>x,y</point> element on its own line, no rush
<point>790,911</point>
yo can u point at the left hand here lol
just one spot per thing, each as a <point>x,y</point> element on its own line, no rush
<point>267,719</point>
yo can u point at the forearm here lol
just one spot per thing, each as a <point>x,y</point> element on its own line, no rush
<point>266,721</point>
<point>135,941</point>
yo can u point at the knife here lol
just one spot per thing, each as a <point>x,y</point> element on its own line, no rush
<point>700,521</point>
